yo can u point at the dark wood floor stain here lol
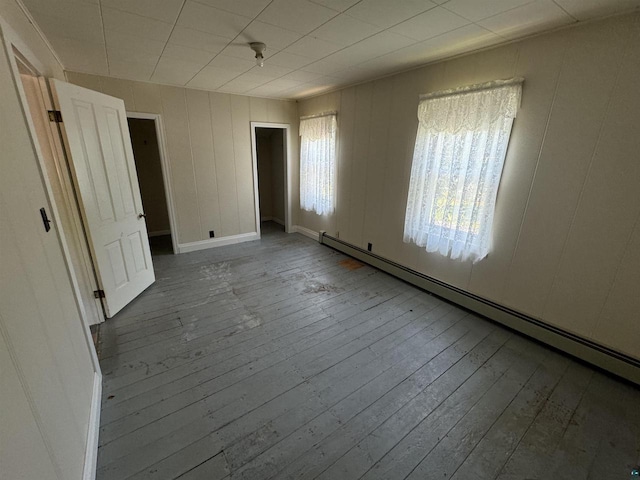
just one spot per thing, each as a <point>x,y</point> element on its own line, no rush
<point>270,359</point>
<point>351,264</point>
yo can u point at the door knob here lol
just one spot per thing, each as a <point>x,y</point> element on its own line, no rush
<point>141,215</point>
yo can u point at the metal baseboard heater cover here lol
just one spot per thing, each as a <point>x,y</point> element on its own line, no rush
<point>605,358</point>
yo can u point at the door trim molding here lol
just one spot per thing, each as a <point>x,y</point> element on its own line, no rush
<point>71,205</point>
<point>91,451</point>
<point>166,172</point>
<point>287,172</point>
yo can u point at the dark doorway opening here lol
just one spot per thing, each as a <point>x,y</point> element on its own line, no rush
<point>146,152</point>
<point>270,149</point>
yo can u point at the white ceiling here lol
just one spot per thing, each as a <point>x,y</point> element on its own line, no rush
<point>312,46</point>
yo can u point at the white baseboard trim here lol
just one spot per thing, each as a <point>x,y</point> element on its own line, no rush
<point>266,219</point>
<point>91,452</point>
<point>306,232</point>
<point>217,242</point>
<point>159,233</point>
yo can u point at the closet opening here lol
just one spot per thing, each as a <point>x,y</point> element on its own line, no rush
<point>270,143</point>
<point>270,153</point>
<point>151,167</point>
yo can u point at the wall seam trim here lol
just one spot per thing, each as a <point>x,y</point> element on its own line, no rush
<point>235,170</point>
<point>193,163</point>
<point>40,33</point>
<point>27,392</point>
<point>545,305</point>
<point>535,172</point>
<point>215,166</point>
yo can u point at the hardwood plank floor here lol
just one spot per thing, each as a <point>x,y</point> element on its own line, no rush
<point>278,359</point>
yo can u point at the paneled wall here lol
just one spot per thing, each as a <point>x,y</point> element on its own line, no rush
<point>12,16</point>
<point>208,148</point>
<point>46,364</point>
<point>566,242</point>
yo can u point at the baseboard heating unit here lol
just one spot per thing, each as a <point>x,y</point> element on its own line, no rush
<point>615,362</point>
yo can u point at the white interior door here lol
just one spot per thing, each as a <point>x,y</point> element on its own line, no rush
<point>98,144</point>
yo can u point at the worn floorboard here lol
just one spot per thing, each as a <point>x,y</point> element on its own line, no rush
<point>277,359</point>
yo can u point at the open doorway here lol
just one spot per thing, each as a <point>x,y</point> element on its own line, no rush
<point>59,178</point>
<point>150,167</point>
<point>270,143</point>
<point>270,154</point>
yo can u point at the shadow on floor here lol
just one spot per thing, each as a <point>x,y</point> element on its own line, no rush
<point>270,227</point>
<point>161,245</point>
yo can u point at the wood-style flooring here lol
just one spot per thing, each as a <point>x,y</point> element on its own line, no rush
<point>282,358</point>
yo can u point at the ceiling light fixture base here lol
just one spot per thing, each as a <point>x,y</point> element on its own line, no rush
<point>259,48</point>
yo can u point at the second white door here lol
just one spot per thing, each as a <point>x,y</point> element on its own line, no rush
<point>97,140</point>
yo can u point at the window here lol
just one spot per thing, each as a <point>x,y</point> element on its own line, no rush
<point>457,163</point>
<point>318,163</point>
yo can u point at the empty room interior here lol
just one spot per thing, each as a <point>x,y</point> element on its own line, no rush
<point>319,239</point>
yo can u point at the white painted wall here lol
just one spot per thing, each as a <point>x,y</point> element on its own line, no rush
<point>567,226</point>
<point>46,362</point>
<point>208,148</point>
<point>13,16</point>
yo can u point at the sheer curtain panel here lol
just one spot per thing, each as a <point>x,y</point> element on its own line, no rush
<point>457,163</point>
<point>318,163</point>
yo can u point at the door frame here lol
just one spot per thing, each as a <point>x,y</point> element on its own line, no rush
<point>166,170</point>
<point>15,47</point>
<point>64,182</point>
<point>14,43</point>
<point>287,171</point>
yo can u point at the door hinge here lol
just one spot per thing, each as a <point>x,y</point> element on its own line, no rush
<point>55,116</point>
<point>98,293</point>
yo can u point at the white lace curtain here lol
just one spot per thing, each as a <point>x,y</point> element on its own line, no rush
<point>318,163</point>
<point>457,163</point>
